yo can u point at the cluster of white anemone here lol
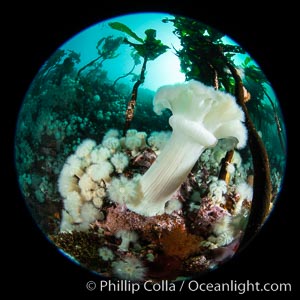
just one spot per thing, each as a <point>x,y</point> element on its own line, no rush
<point>200,117</point>
<point>82,183</point>
<point>86,177</point>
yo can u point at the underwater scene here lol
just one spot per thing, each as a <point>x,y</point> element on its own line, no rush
<point>150,147</point>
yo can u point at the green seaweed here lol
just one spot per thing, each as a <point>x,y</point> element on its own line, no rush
<point>124,28</point>
<point>200,56</point>
<point>149,49</point>
<point>106,48</point>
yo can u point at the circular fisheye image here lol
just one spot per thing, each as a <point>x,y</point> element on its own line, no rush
<point>150,147</point>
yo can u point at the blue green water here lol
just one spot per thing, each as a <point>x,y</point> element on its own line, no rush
<point>166,68</point>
